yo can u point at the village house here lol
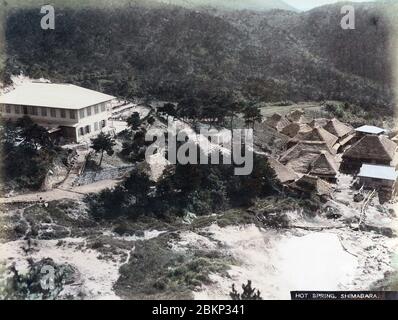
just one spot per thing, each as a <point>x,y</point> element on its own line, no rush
<point>380,178</point>
<point>298,116</point>
<point>71,112</point>
<point>371,149</point>
<point>316,134</point>
<point>311,157</point>
<point>325,167</point>
<point>283,174</point>
<point>344,133</point>
<point>369,130</point>
<point>292,129</point>
<point>277,121</point>
<point>308,184</point>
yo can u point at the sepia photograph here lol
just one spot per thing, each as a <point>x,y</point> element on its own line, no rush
<point>198,154</point>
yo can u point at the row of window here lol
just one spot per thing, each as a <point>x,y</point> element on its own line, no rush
<point>45,112</point>
<point>40,111</point>
<point>87,129</point>
<point>87,112</point>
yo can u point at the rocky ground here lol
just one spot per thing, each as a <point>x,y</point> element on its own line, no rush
<point>195,257</point>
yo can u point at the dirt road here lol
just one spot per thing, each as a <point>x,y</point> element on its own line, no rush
<point>75,193</point>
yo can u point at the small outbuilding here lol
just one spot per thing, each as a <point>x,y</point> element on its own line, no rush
<point>379,177</point>
<point>366,130</point>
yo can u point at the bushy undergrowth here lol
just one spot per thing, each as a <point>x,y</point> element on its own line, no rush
<point>199,189</point>
<point>156,271</point>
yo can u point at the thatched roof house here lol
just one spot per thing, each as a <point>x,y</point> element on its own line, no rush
<point>283,173</point>
<point>293,129</point>
<point>371,149</point>
<point>267,137</point>
<point>325,166</point>
<point>298,116</point>
<point>338,128</point>
<point>316,134</point>
<point>308,184</point>
<point>311,157</point>
<point>277,121</point>
<point>303,147</point>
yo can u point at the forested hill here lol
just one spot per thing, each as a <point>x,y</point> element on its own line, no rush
<point>174,52</point>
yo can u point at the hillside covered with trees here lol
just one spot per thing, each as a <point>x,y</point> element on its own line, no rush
<point>172,53</point>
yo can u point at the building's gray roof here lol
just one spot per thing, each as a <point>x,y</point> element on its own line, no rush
<point>63,96</point>
<point>378,172</point>
<point>370,129</point>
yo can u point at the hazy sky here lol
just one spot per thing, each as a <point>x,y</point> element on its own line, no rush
<point>309,4</point>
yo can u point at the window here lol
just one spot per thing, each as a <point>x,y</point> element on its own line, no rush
<point>17,109</point>
<point>96,109</point>
<point>44,112</point>
<point>81,132</point>
<point>1,108</point>
<point>88,111</point>
<point>8,108</point>
<point>63,113</point>
<point>88,129</point>
<point>103,108</point>
<point>53,113</point>
<point>81,113</point>
<point>34,111</point>
<point>103,123</point>
<point>95,126</point>
<point>72,114</point>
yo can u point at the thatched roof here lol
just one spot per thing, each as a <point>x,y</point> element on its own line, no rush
<point>325,164</point>
<point>304,147</point>
<point>308,183</point>
<point>347,139</point>
<point>266,137</point>
<point>337,128</point>
<point>298,115</point>
<point>318,123</point>
<point>302,163</point>
<point>293,129</point>
<point>283,173</point>
<point>372,147</point>
<point>277,121</point>
<point>317,134</point>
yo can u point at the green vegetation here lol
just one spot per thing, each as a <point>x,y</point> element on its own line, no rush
<point>27,154</point>
<point>136,51</point>
<point>36,284</point>
<point>134,121</point>
<point>103,143</point>
<point>155,271</point>
<point>210,188</point>
<point>357,115</point>
<point>248,293</point>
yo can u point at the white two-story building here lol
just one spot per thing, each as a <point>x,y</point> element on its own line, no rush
<point>74,112</point>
